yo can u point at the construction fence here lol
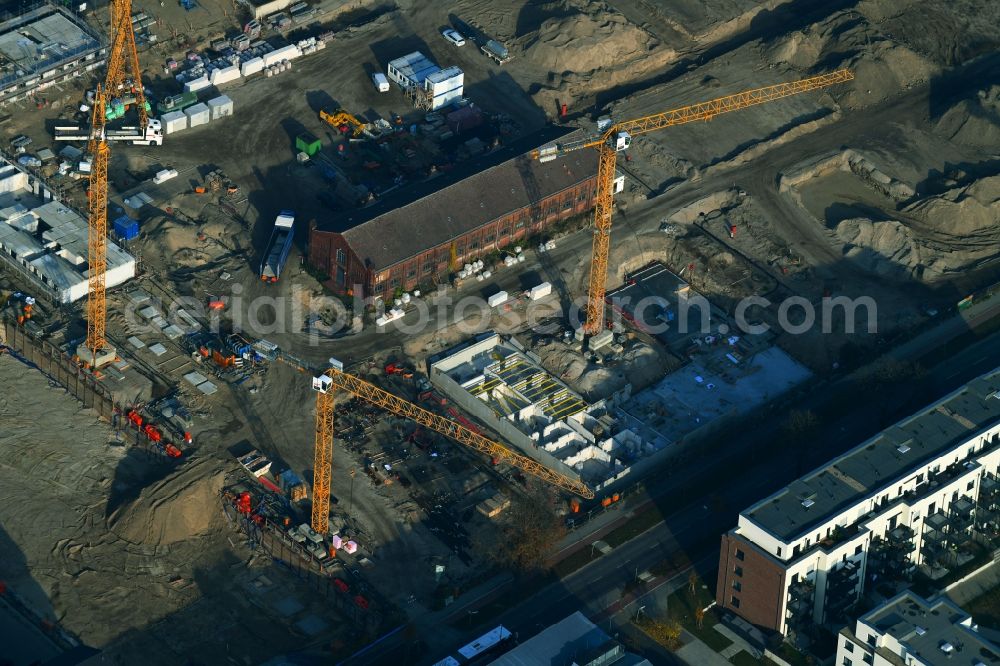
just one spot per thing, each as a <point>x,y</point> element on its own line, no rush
<point>54,364</point>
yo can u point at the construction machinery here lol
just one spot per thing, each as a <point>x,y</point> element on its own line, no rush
<point>618,136</point>
<point>335,379</point>
<point>343,121</point>
<point>123,76</point>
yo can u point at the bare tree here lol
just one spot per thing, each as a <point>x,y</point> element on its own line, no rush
<point>529,530</point>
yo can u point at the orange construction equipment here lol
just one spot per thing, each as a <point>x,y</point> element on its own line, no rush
<point>343,122</point>
<point>618,137</point>
<point>123,75</point>
<point>336,379</point>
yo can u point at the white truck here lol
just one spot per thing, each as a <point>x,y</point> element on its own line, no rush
<point>152,135</point>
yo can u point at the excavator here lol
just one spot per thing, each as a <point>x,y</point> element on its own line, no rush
<point>343,122</point>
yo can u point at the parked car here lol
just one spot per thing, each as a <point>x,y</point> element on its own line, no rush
<point>380,82</point>
<point>453,36</point>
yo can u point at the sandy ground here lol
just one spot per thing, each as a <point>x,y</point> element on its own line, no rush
<point>886,186</point>
<point>125,549</point>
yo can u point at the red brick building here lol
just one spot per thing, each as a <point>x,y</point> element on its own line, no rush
<point>751,582</point>
<point>399,244</point>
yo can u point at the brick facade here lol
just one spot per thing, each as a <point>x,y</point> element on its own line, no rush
<point>331,252</point>
<point>750,583</point>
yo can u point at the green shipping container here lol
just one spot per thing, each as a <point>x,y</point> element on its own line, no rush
<point>177,102</point>
<point>308,144</point>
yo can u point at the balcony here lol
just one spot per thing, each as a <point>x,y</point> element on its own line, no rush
<point>989,490</point>
<point>901,538</point>
<point>842,579</point>
<point>944,477</point>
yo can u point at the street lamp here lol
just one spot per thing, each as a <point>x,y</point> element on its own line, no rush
<point>350,496</point>
<point>638,611</point>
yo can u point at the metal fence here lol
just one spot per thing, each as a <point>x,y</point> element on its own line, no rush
<point>60,368</point>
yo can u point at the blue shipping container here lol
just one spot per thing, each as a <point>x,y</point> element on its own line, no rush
<point>126,228</point>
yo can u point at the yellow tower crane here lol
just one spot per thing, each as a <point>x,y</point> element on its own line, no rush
<point>335,379</point>
<point>122,75</point>
<point>619,136</point>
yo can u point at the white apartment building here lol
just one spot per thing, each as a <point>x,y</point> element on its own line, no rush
<point>910,630</point>
<point>914,494</point>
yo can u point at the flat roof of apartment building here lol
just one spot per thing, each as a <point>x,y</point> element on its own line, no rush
<point>935,631</point>
<point>40,39</point>
<point>887,458</point>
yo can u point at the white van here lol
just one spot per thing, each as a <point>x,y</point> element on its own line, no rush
<point>381,83</point>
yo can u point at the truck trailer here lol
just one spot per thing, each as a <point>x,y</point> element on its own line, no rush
<point>276,252</point>
<point>151,136</point>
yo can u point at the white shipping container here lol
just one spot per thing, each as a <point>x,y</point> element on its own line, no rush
<point>251,66</point>
<point>198,115</point>
<point>175,121</point>
<point>200,83</point>
<point>165,175</point>
<point>225,75</point>
<point>539,291</point>
<point>496,299</point>
<point>220,107</point>
<point>285,53</point>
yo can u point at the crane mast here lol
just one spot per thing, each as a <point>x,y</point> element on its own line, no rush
<point>619,136</point>
<point>336,379</point>
<point>122,73</point>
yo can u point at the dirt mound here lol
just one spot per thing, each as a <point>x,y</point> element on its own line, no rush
<point>973,122</point>
<point>963,210</point>
<point>946,33</point>
<point>883,248</point>
<point>181,506</point>
<point>586,46</point>
<point>586,41</point>
<point>881,65</point>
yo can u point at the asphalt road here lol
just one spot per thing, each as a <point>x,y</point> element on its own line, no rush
<point>600,584</point>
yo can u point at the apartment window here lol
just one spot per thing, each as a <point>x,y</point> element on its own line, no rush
<point>849,646</point>
<point>737,586</point>
<point>411,273</point>
<point>428,268</point>
<point>920,478</point>
<point>796,550</point>
<point>972,484</point>
<point>778,551</point>
<point>734,601</point>
<point>740,555</point>
<point>847,662</point>
<point>394,282</point>
<point>738,571</point>
<point>867,658</point>
<point>341,257</point>
<point>857,551</point>
<point>871,640</point>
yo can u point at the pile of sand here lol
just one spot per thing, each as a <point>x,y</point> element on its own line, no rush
<point>963,210</point>
<point>973,122</point>
<point>963,234</point>
<point>587,46</point>
<point>181,506</point>
<point>882,66</point>
<point>885,248</point>
<point>588,40</point>
<point>946,33</point>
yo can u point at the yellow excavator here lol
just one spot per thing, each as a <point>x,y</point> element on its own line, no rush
<point>340,119</point>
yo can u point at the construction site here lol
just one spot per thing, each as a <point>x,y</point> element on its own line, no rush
<point>223,226</point>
